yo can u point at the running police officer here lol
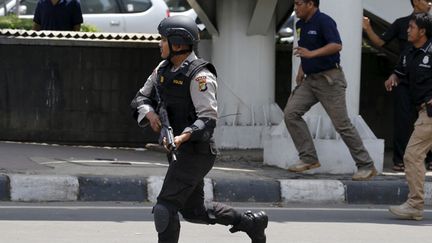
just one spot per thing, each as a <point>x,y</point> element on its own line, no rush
<point>187,85</point>
<point>416,66</point>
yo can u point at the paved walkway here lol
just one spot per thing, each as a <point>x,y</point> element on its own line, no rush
<point>38,172</point>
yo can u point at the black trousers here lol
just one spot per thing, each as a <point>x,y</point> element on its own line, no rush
<point>405,115</point>
<point>183,191</point>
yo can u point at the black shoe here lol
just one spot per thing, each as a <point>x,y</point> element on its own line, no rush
<point>254,225</point>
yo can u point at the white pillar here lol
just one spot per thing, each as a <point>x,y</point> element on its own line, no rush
<point>388,10</point>
<point>246,76</point>
<point>348,16</point>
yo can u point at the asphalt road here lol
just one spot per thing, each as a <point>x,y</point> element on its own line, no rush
<point>114,222</point>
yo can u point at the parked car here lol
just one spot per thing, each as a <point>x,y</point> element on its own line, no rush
<point>140,16</point>
<point>182,7</point>
<point>286,33</point>
<point>9,4</point>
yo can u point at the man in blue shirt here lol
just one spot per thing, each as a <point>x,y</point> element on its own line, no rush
<point>321,79</point>
<point>58,15</point>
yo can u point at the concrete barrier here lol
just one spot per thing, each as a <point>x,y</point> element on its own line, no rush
<point>247,190</point>
<point>29,188</point>
<point>100,188</point>
<point>39,188</point>
<point>312,191</point>
<point>4,188</point>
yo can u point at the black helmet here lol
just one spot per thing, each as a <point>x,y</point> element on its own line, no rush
<point>179,30</point>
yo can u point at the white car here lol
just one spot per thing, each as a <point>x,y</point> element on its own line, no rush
<point>129,16</point>
<point>182,7</point>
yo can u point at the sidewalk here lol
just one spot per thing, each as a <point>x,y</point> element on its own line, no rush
<point>37,172</point>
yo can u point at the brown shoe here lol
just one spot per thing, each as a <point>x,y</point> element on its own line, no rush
<point>405,211</point>
<point>364,174</point>
<point>301,166</point>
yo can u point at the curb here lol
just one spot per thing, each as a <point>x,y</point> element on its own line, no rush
<point>32,188</point>
<point>42,188</point>
<point>98,188</point>
<point>369,192</point>
<point>314,191</point>
<point>247,191</point>
<point>4,188</point>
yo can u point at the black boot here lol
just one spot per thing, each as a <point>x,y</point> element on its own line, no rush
<point>254,225</point>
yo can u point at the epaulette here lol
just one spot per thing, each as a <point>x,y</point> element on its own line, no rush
<point>429,49</point>
<point>197,65</point>
<point>163,65</point>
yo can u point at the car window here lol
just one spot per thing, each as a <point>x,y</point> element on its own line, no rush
<point>178,5</point>
<point>99,6</point>
<point>31,5</point>
<point>135,6</point>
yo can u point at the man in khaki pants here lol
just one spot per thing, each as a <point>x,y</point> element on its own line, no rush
<point>321,79</point>
<point>405,113</point>
<point>416,65</point>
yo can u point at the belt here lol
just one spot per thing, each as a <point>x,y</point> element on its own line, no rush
<point>337,66</point>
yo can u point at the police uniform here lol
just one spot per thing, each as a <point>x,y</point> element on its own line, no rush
<point>190,96</point>
<point>404,110</point>
<point>405,113</point>
<point>415,66</point>
<point>398,30</point>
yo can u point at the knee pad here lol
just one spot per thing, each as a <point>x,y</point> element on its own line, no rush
<point>162,217</point>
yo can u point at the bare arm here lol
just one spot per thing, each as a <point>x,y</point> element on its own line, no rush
<point>373,37</point>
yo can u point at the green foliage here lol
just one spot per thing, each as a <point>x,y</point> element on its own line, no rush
<point>13,22</point>
<point>89,28</point>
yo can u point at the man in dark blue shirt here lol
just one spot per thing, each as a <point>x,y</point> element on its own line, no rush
<point>58,15</point>
<point>404,110</point>
<point>416,66</point>
<point>321,79</point>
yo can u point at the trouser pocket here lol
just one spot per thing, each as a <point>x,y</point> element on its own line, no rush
<point>334,77</point>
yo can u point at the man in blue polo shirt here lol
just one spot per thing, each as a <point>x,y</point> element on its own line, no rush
<point>58,15</point>
<point>321,79</point>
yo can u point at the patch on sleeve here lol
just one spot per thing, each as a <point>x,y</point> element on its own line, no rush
<point>202,83</point>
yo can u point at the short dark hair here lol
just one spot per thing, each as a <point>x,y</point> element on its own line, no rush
<point>315,2</point>
<point>423,21</point>
<point>412,2</point>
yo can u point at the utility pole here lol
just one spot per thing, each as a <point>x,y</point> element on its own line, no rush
<point>4,7</point>
<point>17,8</point>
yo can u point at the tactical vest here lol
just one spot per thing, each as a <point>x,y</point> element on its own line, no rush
<point>174,89</point>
